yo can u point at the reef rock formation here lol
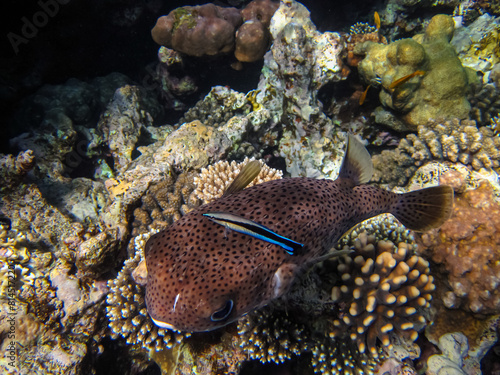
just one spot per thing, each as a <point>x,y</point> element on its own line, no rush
<point>438,92</point>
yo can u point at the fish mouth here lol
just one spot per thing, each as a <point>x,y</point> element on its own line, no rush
<point>163,324</point>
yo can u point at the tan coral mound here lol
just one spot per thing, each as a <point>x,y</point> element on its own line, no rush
<point>384,291</point>
<point>213,180</point>
<point>468,249</point>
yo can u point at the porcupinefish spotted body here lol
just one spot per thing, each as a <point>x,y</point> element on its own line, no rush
<point>243,250</point>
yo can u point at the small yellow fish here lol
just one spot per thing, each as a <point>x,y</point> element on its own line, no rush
<point>376,17</point>
<point>362,98</point>
<point>406,78</point>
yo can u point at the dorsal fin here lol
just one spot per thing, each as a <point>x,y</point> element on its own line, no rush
<point>357,165</point>
<point>246,175</point>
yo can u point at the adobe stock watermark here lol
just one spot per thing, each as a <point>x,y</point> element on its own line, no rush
<point>30,28</point>
<point>11,348</point>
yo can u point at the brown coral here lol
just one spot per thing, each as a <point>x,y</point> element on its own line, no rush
<point>200,30</point>
<point>252,38</point>
<point>468,249</point>
<point>213,180</point>
<point>13,169</point>
<point>485,103</point>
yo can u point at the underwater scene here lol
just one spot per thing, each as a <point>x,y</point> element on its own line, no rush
<point>250,187</point>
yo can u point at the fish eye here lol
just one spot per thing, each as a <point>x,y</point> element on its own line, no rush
<point>223,313</point>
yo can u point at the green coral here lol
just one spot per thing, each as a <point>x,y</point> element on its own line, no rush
<point>438,90</point>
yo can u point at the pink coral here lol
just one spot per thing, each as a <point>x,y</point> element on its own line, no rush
<point>467,248</point>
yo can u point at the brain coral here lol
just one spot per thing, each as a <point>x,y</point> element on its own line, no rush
<point>453,140</point>
<point>467,250</point>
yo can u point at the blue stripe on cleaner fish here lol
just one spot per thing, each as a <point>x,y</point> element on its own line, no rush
<point>242,225</point>
<point>202,276</point>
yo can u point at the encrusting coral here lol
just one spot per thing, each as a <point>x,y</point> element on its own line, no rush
<point>467,250</point>
<point>213,180</point>
<point>454,140</point>
<point>440,88</point>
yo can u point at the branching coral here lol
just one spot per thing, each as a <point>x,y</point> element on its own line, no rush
<point>271,337</point>
<point>454,140</point>
<point>126,308</point>
<point>467,248</point>
<point>384,289</point>
<point>213,180</point>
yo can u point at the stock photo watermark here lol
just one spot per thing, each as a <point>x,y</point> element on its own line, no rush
<point>10,349</point>
<point>32,25</point>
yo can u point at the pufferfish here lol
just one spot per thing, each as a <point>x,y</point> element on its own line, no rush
<point>241,251</point>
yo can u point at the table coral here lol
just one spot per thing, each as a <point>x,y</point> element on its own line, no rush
<point>467,250</point>
<point>440,92</point>
<point>454,140</point>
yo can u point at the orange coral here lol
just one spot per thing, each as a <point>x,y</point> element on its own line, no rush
<point>468,248</point>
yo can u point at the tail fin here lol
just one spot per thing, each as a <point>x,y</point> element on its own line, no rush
<point>425,209</point>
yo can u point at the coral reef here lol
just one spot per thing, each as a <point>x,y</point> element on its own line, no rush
<point>467,252</point>
<point>439,93</point>
<point>213,180</point>
<point>121,126</point>
<point>271,337</point>
<point>300,62</point>
<point>454,140</point>
<point>477,43</point>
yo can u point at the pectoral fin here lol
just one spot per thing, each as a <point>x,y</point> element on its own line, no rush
<point>282,279</point>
